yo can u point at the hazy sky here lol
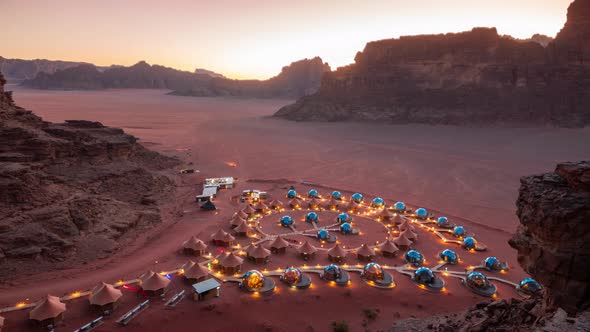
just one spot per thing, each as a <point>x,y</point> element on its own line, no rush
<point>247,38</point>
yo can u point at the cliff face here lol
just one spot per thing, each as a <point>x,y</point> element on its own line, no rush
<point>296,80</point>
<point>475,77</point>
<point>71,192</point>
<point>17,70</point>
<point>553,240</point>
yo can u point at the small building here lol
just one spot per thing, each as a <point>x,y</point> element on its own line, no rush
<point>194,272</point>
<point>332,204</point>
<point>388,248</point>
<point>352,207</point>
<point>259,254</point>
<point>208,206</point>
<point>336,254</point>
<point>230,264</point>
<point>236,220</point>
<point>307,251</point>
<point>365,253</point>
<point>295,203</point>
<point>249,210</point>
<point>275,204</point>
<point>279,245</point>
<point>410,234</point>
<point>194,246</point>
<point>222,238</point>
<point>385,215</point>
<point>222,183</point>
<point>153,284</point>
<point>243,229</point>
<point>314,203</point>
<point>206,289</point>
<point>402,242</point>
<point>209,193</point>
<point>104,297</point>
<point>48,312</point>
<point>261,207</point>
<point>397,219</point>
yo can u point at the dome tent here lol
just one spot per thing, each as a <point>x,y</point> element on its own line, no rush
<point>293,277</point>
<point>494,264</point>
<point>313,193</point>
<point>530,287</point>
<point>255,282</point>
<point>312,217</point>
<point>378,202</point>
<point>357,198</point>
<point>414,257</point>
<point>399,206</point>
<point>449,256</point>
<point>478,283</point>
<point>291,194</point>
<point>426,279</point>
<point>421,213</point>
<point>287,221</point>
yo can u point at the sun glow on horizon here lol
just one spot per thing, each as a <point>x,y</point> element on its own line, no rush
<point>248,39</point>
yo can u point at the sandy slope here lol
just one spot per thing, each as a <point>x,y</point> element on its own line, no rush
<point>470,173</point>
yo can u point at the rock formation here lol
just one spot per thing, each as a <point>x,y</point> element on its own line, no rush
<point>18,70</point>
<point>296,80</point>
<point>553,240</point>
<point>475,77</point>
<point>73,191</point>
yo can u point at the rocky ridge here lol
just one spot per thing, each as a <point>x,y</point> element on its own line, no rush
<point>72,192</point>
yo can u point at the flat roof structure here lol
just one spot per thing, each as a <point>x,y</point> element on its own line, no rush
<point>206,285</point>
<point>223,182</point>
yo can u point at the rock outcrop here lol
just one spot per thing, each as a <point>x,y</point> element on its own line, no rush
<point>553,240</point>
<point>71,192</point>
<point>18,70</point>
<point>298,79</point>
<point>475,77</point>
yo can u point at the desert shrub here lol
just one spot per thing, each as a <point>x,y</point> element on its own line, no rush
<point>370,314</point>
<point>339,326</point>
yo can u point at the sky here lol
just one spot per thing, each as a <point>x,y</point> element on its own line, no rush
<point>247,38</point>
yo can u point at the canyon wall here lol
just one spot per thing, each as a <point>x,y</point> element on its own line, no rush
<point>72,192</point>
<point>475,77</point>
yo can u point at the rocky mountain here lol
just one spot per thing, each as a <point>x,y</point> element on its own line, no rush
<point>208,72</point>
<point>475,77</point>
<point>553,244</point>
<point>71,192</point>
<point>296,80</point>
<point>17,70</point>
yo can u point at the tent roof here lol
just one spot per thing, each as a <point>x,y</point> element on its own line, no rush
<point>314,201</point>
<point>364,250</point>
<point>236,219</point>
<point>332,202</point>
<point>243,228</point>
<point>48,307</point>
<point>153,281</point>
<point>279,242</point>
<point>397,219</point>
<point>402,240</point>
<point>307,248</point>
<point>104,294</point>
<point>276,202</point>
<point>259,252</point>
<point>388,246</point>
<point>208,205</point>
<point>222,235</point>
<point>409,233</point>
<point>193,270</point>
<point>386,213</point>
<point>352,205</point>
<point>242,214</point>
<point>294,202</point>
<point>337,251</point>
<point>194,243</point>
<point>249,209</point>
<point>231,260</point>
<point>261,206</point>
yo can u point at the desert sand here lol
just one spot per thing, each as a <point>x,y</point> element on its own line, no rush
<point>468,174</point>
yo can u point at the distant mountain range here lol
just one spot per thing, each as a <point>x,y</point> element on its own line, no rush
<point>474,77</point>
<point>17,70</point>
<point>298,79</point>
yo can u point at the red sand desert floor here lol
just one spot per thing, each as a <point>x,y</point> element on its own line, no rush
<point>468,174</point>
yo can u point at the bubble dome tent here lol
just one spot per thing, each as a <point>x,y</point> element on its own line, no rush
<point>293,277</point>
<point>399,206</point>
<point>421,213</point>
<point>323,234</point>
<point>529,287</point>
<point>346,228</point>
<point>312,217</point>
<point>443,222</point>
<point>458,231</point>
<point>336,195</point>
<point>357,198</point>
<point>494,264</point>
<point>449,256</point>
<point>313,193</point>
<point>478,283</point>
<point>374,275</point>
<point>255,282</point>
<point>378,202</point>
<point>426,279</point>
<point>336,274</point>
<point>414,257</point>
<point>342,217</point>
<point>469,243</point>
<point>287,221</point>
<point>291,194</point>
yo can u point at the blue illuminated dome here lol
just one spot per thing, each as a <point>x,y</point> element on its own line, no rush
<point>494,264</point>
<point>311,217</point>
<point>378,202</point>
<point>286,221</point>
<point>400,206</point>
<point>336,195</point>
<point>469,243</point>
<point>323,234</point>
<point>414,257</point>
<point>422,213</point>
<point>345,228</point>
<point>530,286</point>
<point>332,272</point>
<point>313,194</point>
<point>449,256</point>
<point>373,271</point>
<point>424,275</point>
<point>458,231</point>
<point>441,221</point>
<point>477,280</point>
<point>357,198</point>
<point>291,193</point>
<point>342,217</point>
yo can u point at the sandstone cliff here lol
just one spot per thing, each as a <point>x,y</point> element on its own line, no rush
<point>18,70</point>
<point>298,79</point>
<point>475,77</point>
<point>71,192</point>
